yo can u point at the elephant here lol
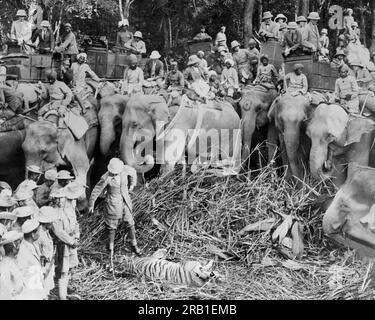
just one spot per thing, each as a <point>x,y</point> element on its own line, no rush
<point>148,117</point>
<point>338,138</point>
<point>254,104</point>
<point>287,116</point>
<point>110,118</point>
<point>47,146</point>
<point>350,219</point>
<point>22,95</point>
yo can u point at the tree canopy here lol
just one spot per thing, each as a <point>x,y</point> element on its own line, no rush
<point>168,23</point>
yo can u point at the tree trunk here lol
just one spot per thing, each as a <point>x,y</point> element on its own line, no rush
<point>166,33</point>
<point>297,6</point>
<point>305,7</point>
<point>372,4</point>
<point>362,24</point>
<point>248,20</point>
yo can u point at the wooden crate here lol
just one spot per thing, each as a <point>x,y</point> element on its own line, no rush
<point>195,46</point>
<point>274,51</point>
<point>39,64</point>
<point>320,75</point>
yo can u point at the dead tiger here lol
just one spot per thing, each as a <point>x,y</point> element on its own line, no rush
<point>190,273</point>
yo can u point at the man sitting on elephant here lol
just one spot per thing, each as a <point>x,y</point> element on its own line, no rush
<point>242,58</point>
<point>297,81</point>
<point>267,74</point>
<point>362,75</point>
<point>133,77</point>
<point>195,78</point>
<point>154,71</point>
<point>347,90</point>
<point>175,79</point>
<point>58,94</point>
<point>229,78</point>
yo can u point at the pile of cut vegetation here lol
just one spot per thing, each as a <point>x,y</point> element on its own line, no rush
<point>202,217</point>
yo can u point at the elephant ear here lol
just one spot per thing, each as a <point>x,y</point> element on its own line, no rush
<point>158,109</point>
<point>356,127</point>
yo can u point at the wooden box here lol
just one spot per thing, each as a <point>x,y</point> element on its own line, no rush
<point>195,46</point>
<point>320,75</point>
<point>274,50</point>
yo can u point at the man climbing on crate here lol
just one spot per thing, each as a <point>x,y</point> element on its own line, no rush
<point>69,45</point>
<point>46,38</point>
<point>347,90</point>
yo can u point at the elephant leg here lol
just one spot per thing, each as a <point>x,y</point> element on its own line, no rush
<point>79,160</point>
<point>174,150</point>
<point>272,139</point>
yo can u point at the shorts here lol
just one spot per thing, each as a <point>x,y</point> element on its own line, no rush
<point>112,222</point>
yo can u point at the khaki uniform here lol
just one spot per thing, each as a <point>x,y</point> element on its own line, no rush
<point>175,80</point>
<point>79,76</point>
<point>118,204</point>
<point>242,60</point>
<point>229,80</point>
<point>133,81</point>
<point>123,37</point>
<point>46,248</point>
<point>59,94</point>
<point>267,75</point>
<point>268,30</point>
<point>297,83</point>
<point>346,86</point>
<point>310,38</point>
<point>11,279</point>
<point>29,262</point>
<point>66,230</point>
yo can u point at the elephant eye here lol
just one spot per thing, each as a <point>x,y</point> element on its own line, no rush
<point>135,124</point>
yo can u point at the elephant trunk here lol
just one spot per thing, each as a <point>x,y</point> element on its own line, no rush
<point>248,128</point>
<point>318,161</point>
<point>107,136</point>
<point>127,151</point>
<point>291,139</point>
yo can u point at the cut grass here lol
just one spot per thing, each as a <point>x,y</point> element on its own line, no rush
<point>198,216</point>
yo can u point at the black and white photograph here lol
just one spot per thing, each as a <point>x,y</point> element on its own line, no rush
<point>201,152</point>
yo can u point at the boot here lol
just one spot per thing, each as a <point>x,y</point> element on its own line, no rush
<point>63,288</point>
<point>133,241</point>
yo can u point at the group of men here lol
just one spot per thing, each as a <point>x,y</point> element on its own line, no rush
<point>39,235</point>
<point>39,231</point>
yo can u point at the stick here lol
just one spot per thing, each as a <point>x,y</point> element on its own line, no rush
<point>111,264</point>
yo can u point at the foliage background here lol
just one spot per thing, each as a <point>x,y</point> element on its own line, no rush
<point>169,23</point>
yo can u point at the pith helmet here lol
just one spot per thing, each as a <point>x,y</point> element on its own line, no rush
<point>115,166</point>
<point>234,44</point>
<point>64,175</point>
<point>298,66</point>
<point>193,60</point>
<point>21,13</point>
<point>45,23</point>
<point>46,215</point>
<point>155,55</point>
<point>30,226</point>
<point>138,34</point>
<point>292,25</point>
<point>313,16</point>
<point>301,19</point>
<point>281,16</point>
<point>10,237</point>
<point>267,15</point>
<point>132,58</point>
<point>34,169</point>
<point>22,212</point>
